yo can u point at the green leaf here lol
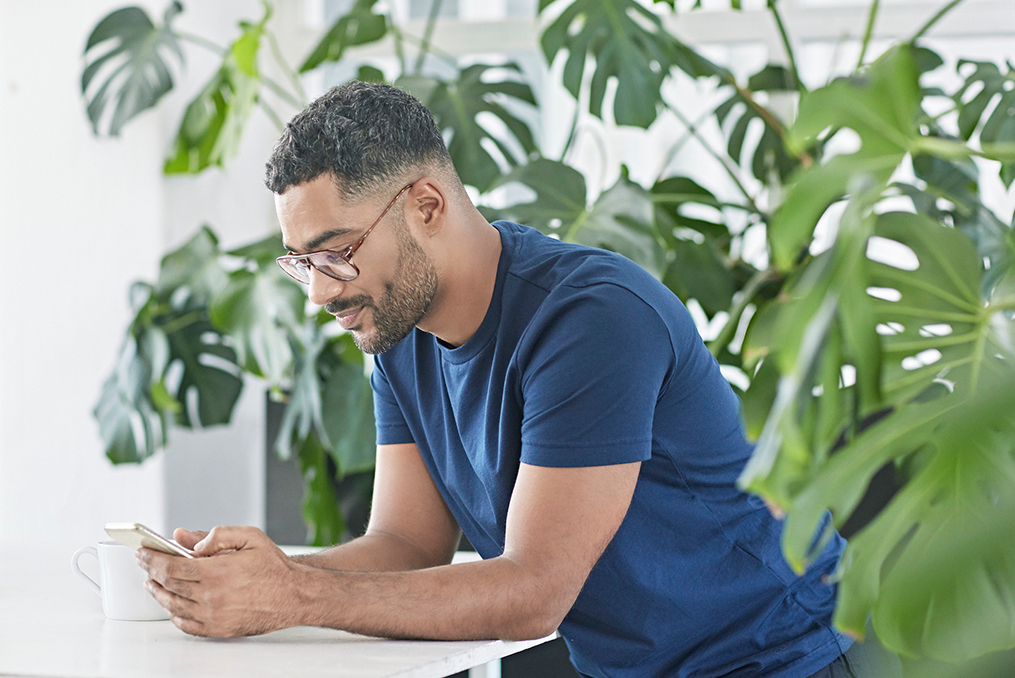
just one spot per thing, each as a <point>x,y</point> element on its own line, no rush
<point>481,155</point>
<point>881,107</point>
<point>995,124</point>
<point>256,309</point>
<point>320,506</point>
<point>210,377</point>
<point>213,123</point>
<point>370,74</point>
<point>560,196</point>
<point>262,252</point>
<point>303,414</point>
<point>131,426</point>
<point>938,307</point>
<point>621,221</point>
<point>360,26</point>
<point>627,42</point>
<point>697,271</point>
<point>347,408</point>
<point>195,266</point>
<point>769,158</point>
<point>132,51</point>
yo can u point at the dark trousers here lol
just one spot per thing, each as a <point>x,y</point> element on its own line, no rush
<point>868,659</point>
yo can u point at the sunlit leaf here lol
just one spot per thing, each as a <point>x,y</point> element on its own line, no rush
<point>133,54</point>
<point>213,123</point>
<point>881,107</point>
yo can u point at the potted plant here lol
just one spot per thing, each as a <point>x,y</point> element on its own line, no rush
<point>887,353</point>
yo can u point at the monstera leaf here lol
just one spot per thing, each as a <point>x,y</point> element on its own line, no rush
<point>881,107</point>
<point>257,308</point>
<point>360,26</point>
<point>948,371</point>
<point>458,106</point>
<point>768,159</point>
<point>997,124</point>
<point>627,42</point>
<point>560,196</point>
<point>697,266</point>
<point>131,423</point>
<point>620,220</point>
<point>347,405</point>
<point>133,52</point>
<point>213,123</point>
<point>194,266</point>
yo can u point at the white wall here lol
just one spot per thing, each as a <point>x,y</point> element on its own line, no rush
<point>81,218</point>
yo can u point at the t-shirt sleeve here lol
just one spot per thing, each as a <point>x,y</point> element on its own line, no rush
<point>593,368</point>
<point>392,428</point>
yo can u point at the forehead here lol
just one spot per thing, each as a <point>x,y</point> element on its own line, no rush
<point>313,215</point>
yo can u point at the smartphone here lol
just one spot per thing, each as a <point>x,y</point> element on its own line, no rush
<point>136,535</point>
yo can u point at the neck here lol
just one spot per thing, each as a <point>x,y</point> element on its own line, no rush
<point>467,269</point>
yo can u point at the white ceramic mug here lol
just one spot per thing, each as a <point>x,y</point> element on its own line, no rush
<point>121,583</point>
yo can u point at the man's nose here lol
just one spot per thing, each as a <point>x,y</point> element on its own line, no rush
<point>323,288</point>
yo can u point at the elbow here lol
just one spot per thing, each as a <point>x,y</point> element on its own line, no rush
<point>540,619</point>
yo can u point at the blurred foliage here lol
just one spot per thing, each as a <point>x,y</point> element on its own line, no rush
<point>891,346</point>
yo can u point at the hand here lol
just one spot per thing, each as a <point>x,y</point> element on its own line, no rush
<point>240,584</point>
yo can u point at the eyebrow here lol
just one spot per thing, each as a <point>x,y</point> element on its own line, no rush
<point>314,244</point>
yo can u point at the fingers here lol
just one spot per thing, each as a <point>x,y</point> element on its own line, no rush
<point>188,538</point>
<point>162,566</point>
<point>182,611</point>
<point>222,539</point>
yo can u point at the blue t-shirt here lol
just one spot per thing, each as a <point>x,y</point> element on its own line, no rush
<point>584,359</point>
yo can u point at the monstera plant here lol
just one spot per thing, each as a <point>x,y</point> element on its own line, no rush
<point>889,352</point>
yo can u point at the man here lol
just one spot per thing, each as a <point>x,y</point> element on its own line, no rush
<point>553,402</point>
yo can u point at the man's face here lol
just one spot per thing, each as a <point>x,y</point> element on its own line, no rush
<point>397,281</point>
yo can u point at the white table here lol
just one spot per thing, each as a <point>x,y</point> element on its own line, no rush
<point>52,625</point>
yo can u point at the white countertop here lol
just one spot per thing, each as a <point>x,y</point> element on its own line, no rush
<point>52,625</point>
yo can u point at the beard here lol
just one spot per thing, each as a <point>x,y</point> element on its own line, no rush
<point>407,299</point>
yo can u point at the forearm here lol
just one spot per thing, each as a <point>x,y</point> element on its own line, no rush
<point>497,598</point>
<point>376,552</point>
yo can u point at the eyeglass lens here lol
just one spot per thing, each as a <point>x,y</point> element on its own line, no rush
<point>329,263</point>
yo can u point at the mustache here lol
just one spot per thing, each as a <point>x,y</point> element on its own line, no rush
<point>336,306</point>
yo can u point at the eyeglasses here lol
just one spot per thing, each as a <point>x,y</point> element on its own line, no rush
<point>337,265</point>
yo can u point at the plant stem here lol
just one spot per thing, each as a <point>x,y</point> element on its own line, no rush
<point>431,23</point>
<point>294,78</point>
<point>271,114</point>
<point>399,42</point>
<point>439,53</point>
<point>679,144</point>
<point>722,159</point>
<point>787,45</point>
<point>867,33</point>
<point>200,42</point>
<point>282,92</point>
<point>933,20</point>
<point>747,294</point>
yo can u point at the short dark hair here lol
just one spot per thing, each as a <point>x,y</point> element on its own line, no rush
<point>368,135</point>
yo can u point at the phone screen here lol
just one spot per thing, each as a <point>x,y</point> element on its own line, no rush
<point>136,535</point>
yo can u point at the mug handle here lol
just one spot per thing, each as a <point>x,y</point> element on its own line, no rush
<point>77,568</point>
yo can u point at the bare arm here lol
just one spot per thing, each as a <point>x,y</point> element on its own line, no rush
<point>559,522</point>
<point>410,525</point>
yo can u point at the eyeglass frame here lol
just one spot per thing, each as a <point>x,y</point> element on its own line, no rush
<point>345,255</point>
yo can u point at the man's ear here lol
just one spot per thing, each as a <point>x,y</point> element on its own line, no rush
<point>427,206</point>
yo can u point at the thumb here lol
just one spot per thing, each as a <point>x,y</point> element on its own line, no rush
<point>188,538</point>
<point>222,539</point>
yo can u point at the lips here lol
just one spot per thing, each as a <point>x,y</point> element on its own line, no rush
<point>347,319</point>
